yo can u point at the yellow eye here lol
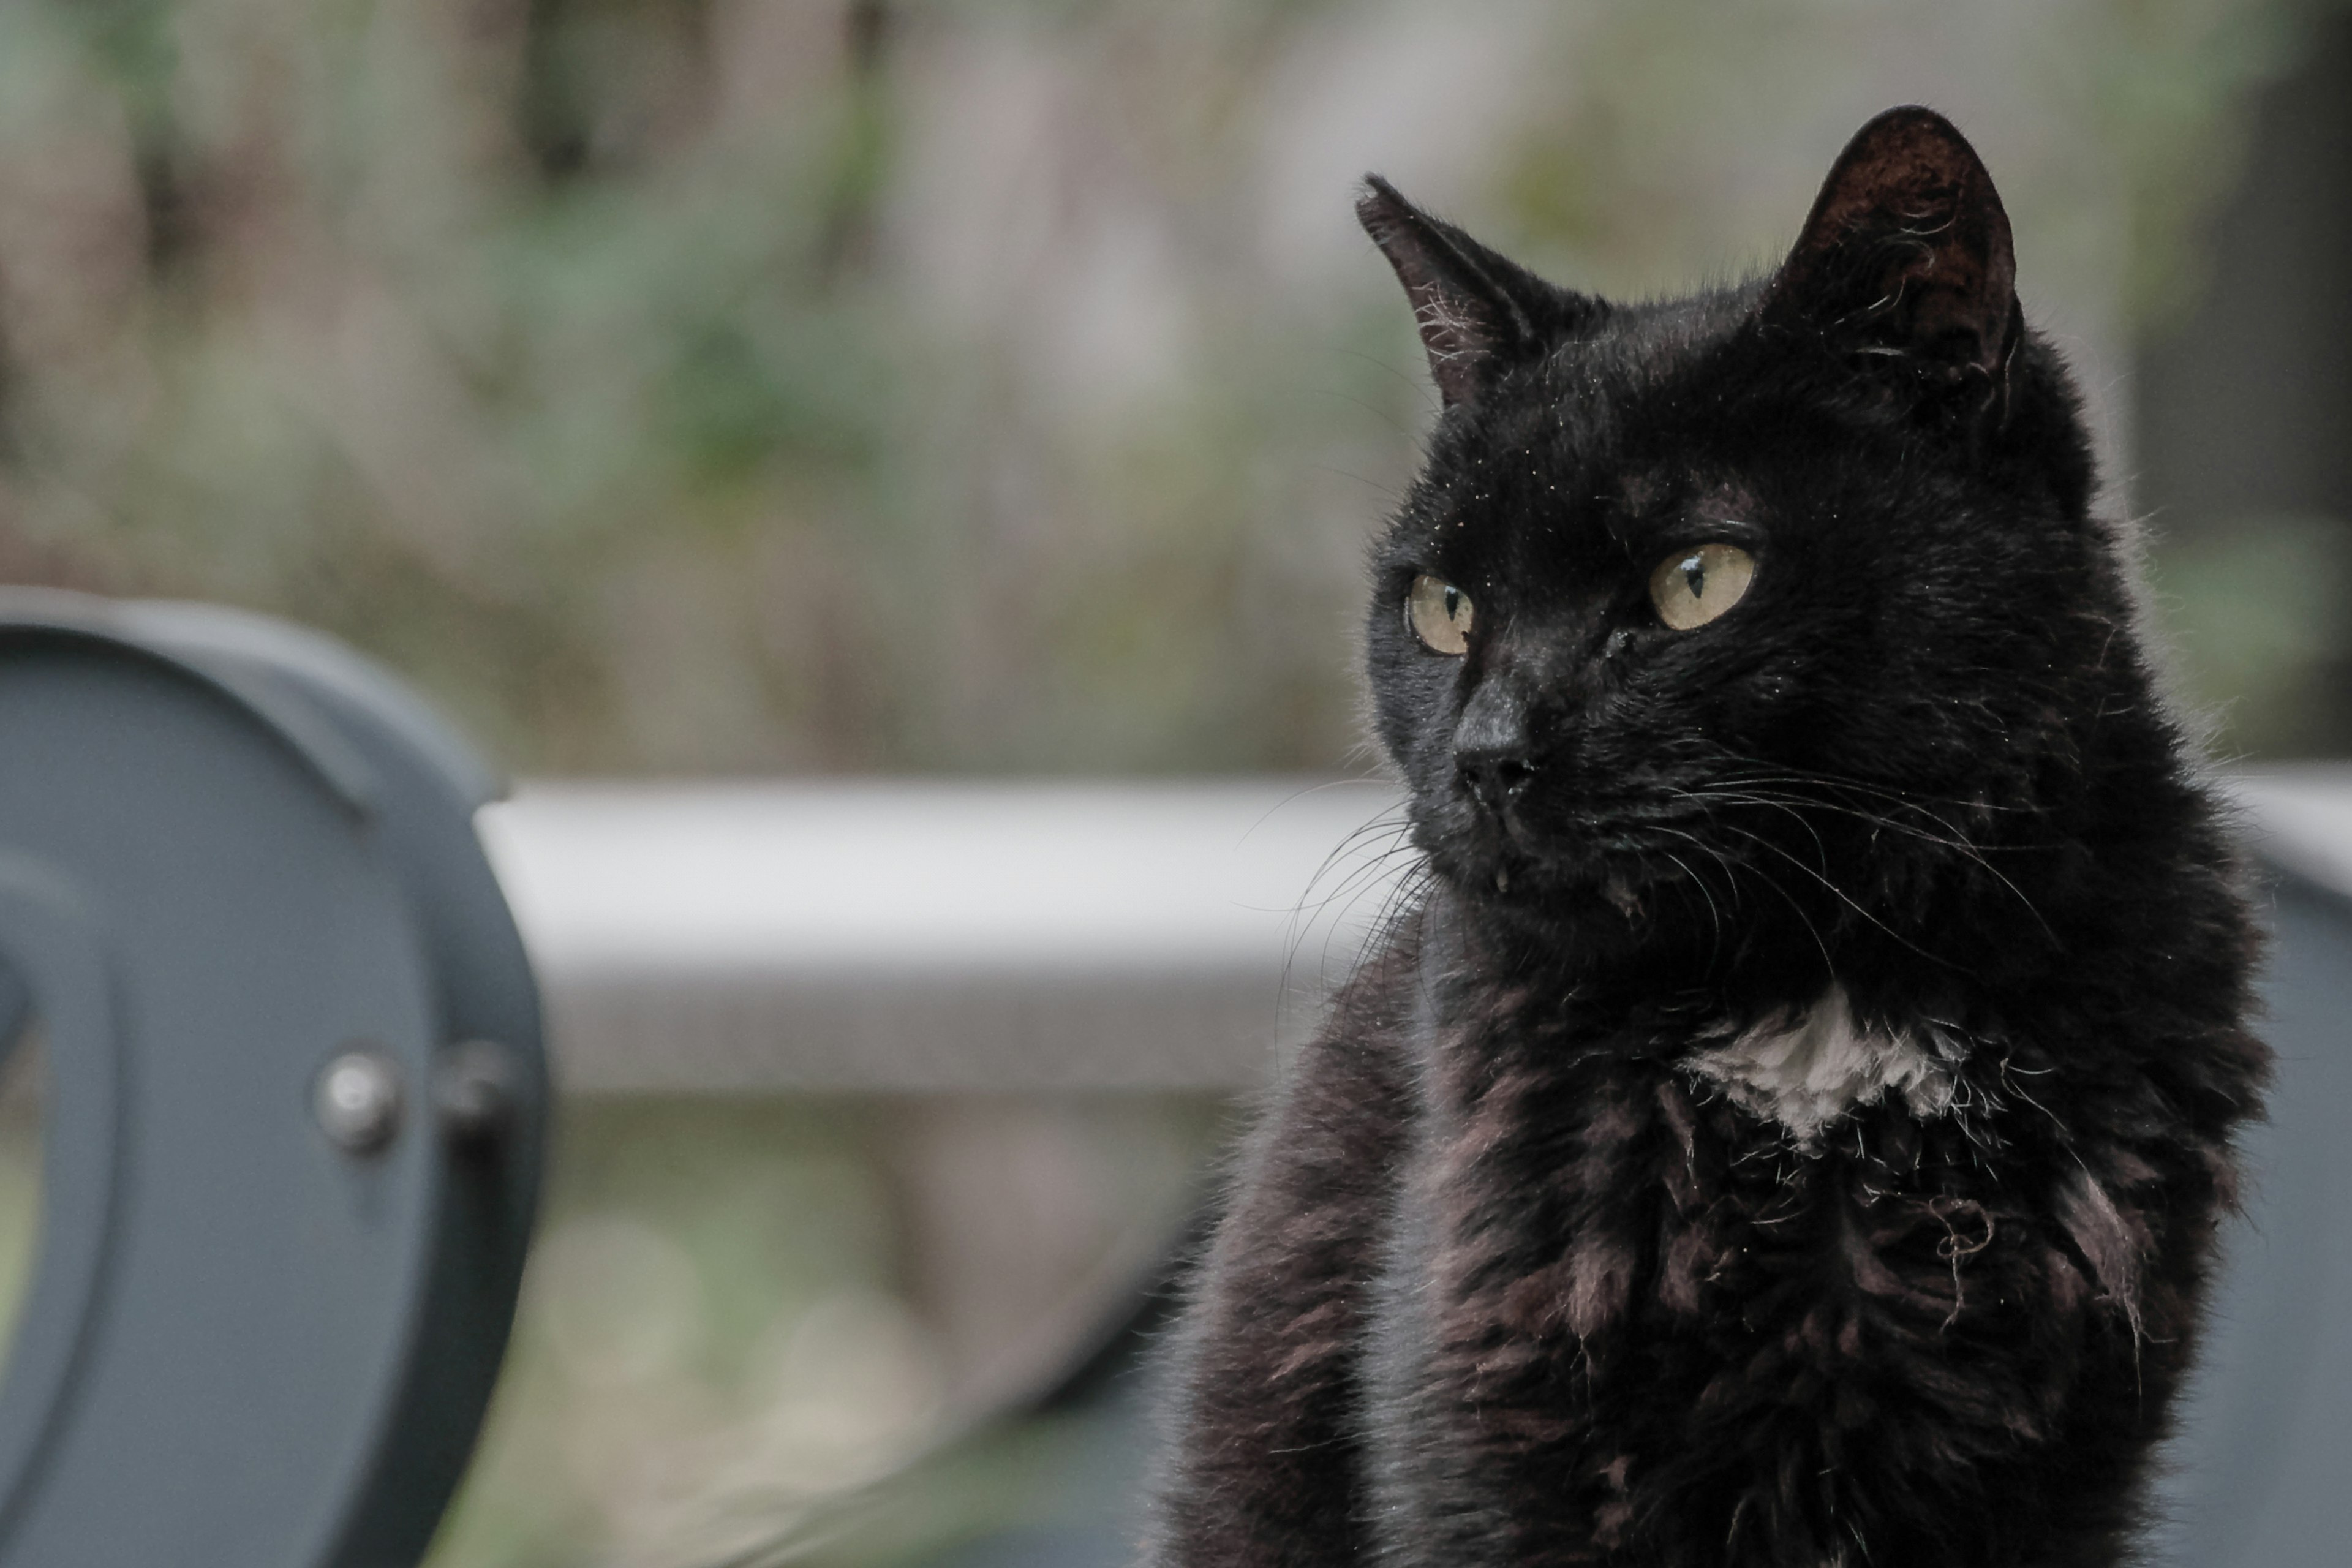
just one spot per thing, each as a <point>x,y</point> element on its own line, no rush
<point>1693,586</point>
<point>1439,613</point>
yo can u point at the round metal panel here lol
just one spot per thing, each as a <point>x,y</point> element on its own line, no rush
<point>272,1290</point>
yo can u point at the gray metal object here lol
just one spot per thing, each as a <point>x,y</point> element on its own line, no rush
<point>240,888</point>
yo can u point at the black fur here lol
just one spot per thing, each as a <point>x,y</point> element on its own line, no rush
<point>1505,1280</point>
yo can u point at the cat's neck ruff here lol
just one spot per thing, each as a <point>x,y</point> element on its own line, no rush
<point>1805,1072</point>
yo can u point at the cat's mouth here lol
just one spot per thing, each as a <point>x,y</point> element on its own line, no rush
<point>1617,855</point>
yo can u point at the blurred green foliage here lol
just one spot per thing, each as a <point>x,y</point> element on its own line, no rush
<point>733,1327</point>
<point>2260,632</point>
<point>683,1247</point>
<point>713,385</point>
<point>526,349</point>
<point>23,1077</point>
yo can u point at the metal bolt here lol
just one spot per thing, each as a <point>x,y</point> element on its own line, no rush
<point>357,1100</point>
<point>475,1083</point>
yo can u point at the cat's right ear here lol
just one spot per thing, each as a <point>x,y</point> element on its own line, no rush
<point>1477,312</point>
<point>1907,257</point>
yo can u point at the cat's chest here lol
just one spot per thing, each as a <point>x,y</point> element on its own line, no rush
<point>1603,1175</point>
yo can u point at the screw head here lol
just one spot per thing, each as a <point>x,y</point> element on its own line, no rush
<point>357,1100</point>
<point>475,1084</point>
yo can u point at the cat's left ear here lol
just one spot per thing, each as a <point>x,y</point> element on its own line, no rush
<point>1906,254</point>
<point>1478,312</point>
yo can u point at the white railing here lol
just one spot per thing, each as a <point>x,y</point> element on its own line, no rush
<point>901,935</point>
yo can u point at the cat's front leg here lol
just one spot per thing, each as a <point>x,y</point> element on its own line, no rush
<point>1264,1466</point>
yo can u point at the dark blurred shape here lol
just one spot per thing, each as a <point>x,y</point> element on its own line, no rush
<point>2245,430</point>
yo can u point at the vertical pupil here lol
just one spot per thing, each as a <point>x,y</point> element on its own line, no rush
<point>1695,576</point>
<point>1453,600</point>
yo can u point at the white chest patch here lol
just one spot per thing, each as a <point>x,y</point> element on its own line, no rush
<point>1806,1072</point>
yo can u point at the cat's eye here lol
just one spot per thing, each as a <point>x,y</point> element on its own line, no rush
<point>1693,586</point>
<point>1439,613</point>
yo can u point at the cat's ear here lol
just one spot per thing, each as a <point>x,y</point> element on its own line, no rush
<point>1906,254</point>
<point>1477,312</point>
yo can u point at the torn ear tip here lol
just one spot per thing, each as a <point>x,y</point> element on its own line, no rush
<point>1379,208</point>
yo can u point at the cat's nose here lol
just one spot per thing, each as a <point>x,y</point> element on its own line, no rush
<point>1492,752</point>
<point>1494,781</point>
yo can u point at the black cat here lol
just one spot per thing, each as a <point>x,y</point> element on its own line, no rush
<point>1791,1127</point>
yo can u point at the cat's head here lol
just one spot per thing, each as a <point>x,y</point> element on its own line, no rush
<point>1778,597</point>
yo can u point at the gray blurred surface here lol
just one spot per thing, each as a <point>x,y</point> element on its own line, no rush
<point>2261,1472</point>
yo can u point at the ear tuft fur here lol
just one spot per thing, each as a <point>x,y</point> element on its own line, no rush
<point>1477,312</point>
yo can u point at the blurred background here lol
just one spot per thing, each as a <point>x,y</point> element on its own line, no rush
<point>757,388</point>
